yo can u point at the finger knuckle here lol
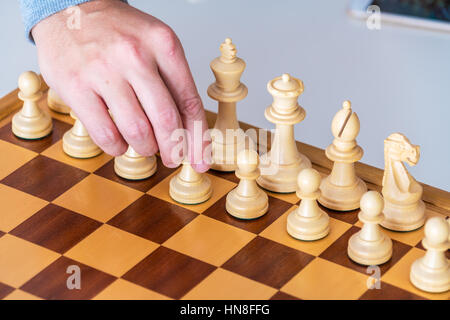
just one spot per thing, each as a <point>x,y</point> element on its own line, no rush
<point>106,137</point>
<point>138,130</point>
<point>130,47</point>
<point>191,107</point>
<point>168,39</point>
<point>168,118</point>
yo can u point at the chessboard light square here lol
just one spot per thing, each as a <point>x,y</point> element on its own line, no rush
<point>111,250</point>
<point>98,198</point>
<point>209,240</point>
<point>56,152</point>
<point>13,157</point>
<point>21,295</point>
<point>220,187</point>
<point>226,285</point>
<point>125,290</point>
<point>325,280</point>
<point>17,206</point>
<point>21,260</point>
<point>411,238</point>
<point>277,232</point>
<point>398,276</point>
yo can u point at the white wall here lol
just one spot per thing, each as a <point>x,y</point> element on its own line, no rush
<point>398,79</point>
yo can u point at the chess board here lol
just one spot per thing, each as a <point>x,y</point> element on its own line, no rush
<point>131,241</point>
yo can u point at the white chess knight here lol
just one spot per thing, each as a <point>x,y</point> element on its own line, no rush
<point>431,272</point>
<point>404,209</point>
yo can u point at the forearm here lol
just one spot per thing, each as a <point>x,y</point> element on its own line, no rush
<point>33,11</point>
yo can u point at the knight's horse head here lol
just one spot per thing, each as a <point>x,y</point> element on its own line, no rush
<point>399,148</point>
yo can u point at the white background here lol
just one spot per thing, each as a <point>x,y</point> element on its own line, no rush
<point>397,78</point>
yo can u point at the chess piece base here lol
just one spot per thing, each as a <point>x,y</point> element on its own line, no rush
<point>79,146</point>
<point>341,198</point>
<point>56,104</point>
<point>403,218</point>
<point>247,208</point>
<point>308,229</point>
<point>284,179</point>
<point>430,280</point>
<point>190,193</point>
<point>32,128</point>
<point>135,168</point>
<point>369,253</point>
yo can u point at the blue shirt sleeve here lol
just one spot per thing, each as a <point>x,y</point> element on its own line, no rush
<point>34,11</point>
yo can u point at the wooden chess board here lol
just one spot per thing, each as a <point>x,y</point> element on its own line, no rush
<point>131,241</point>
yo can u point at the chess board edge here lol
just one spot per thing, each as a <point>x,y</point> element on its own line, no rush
<point>438,198</point>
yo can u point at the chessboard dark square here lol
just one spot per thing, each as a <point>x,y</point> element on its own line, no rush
<point>283,296</point>
<point>346,216</point>
<point>107,171</point>
<point>51,283</point>
<point>268,262</point>
<point>276,208</point>
<point>231,176</point>
<point>153,219</point>
<point>420,246</point>
<point>44,178</point>
<point>5,290</point>
<point>337,253</point>
<point>389,292</point>
<point>169,272</point>
<point>1,234</point>
<point>39,145</point>
<point>56,228</point>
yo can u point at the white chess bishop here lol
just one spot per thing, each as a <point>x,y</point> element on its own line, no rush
<point>370,246</point>
<point>342,189</point>
<point>431,272</point>
<point>281,165</point>
<point>404,209</point>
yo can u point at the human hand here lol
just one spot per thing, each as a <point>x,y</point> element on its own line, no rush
<point>133,64</point>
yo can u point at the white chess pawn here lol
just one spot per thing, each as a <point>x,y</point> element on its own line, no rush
<point>55,103</point>
<point>247,200</point>
<point>189,186</point>
<point>31,122</point>
<point>308,222</point>
<point>133,166</point>
<point>431,273</point>
<point>370,246</point>
<point>77,143</point>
